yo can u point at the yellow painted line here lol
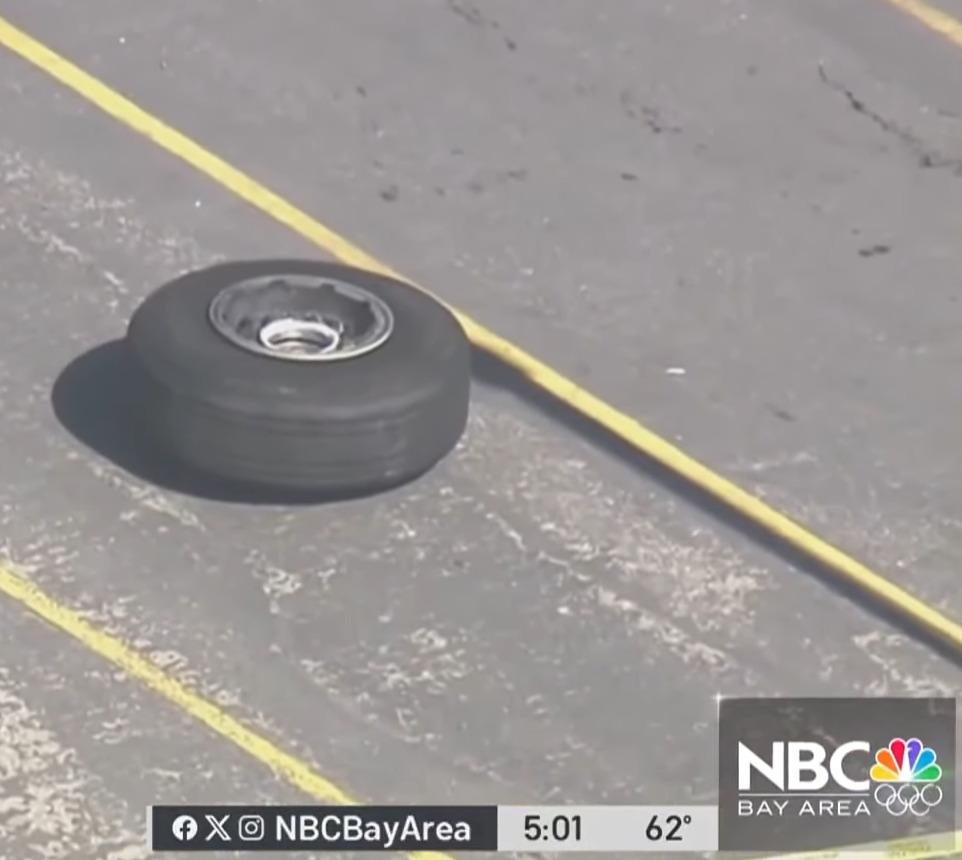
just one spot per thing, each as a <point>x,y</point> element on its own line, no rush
<point>286,766</point>
<point>833,560</point>
<point>933,18</point>
<point>291,769</point>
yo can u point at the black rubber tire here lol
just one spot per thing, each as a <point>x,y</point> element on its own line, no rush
<point>345,427</point>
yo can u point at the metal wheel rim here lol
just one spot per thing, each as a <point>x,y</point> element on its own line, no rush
<point>303,318</point>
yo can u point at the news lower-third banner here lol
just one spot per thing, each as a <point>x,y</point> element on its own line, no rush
<point>412,829</point>
<point>794,776</point>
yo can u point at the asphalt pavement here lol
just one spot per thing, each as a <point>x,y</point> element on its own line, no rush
<point>738,221</point>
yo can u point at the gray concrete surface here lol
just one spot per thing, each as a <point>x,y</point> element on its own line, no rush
<point>735,249</point>
<point>622,188</point>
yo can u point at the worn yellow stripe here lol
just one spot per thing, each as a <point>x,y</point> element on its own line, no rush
<point>286,766</point>
<point>935,19</point>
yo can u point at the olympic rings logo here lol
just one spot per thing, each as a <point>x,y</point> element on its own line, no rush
<point>908,797</point>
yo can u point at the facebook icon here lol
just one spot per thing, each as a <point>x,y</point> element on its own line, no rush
<point>184,828</point>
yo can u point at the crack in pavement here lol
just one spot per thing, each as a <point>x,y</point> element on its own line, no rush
<point>926,157</point>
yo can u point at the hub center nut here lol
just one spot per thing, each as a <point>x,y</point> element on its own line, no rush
<point>300,336</point>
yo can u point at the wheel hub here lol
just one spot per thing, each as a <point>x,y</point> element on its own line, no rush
<point>301,318</point>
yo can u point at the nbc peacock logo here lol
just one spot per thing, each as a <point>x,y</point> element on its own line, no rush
<point>906,776</point>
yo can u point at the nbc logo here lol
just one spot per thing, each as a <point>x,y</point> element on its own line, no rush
<point>906,778</point>
<point>809,778</point>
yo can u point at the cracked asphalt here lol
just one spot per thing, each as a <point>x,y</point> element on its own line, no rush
<point>738,221</point>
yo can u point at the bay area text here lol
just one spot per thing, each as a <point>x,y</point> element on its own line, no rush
<point>846,807</point>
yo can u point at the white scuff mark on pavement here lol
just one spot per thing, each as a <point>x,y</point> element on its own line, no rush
<point>49,807</point>
<point>428,641</point>
<point>769,464</point>
<point>146,496</point>
<point>507,530</point>
<point>43,551</point>
<point>277,583</point>
<point>695,576</point>
<point>432,671</point>
<point>169,660</point>
<point>403,530</point>
<point>689,649</point>
<point>887,651</point>
<point>112,732</point>
<point>30,185</point>
<point>135,850</point>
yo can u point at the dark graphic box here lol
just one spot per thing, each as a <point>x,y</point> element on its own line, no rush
<point>772,806</point>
